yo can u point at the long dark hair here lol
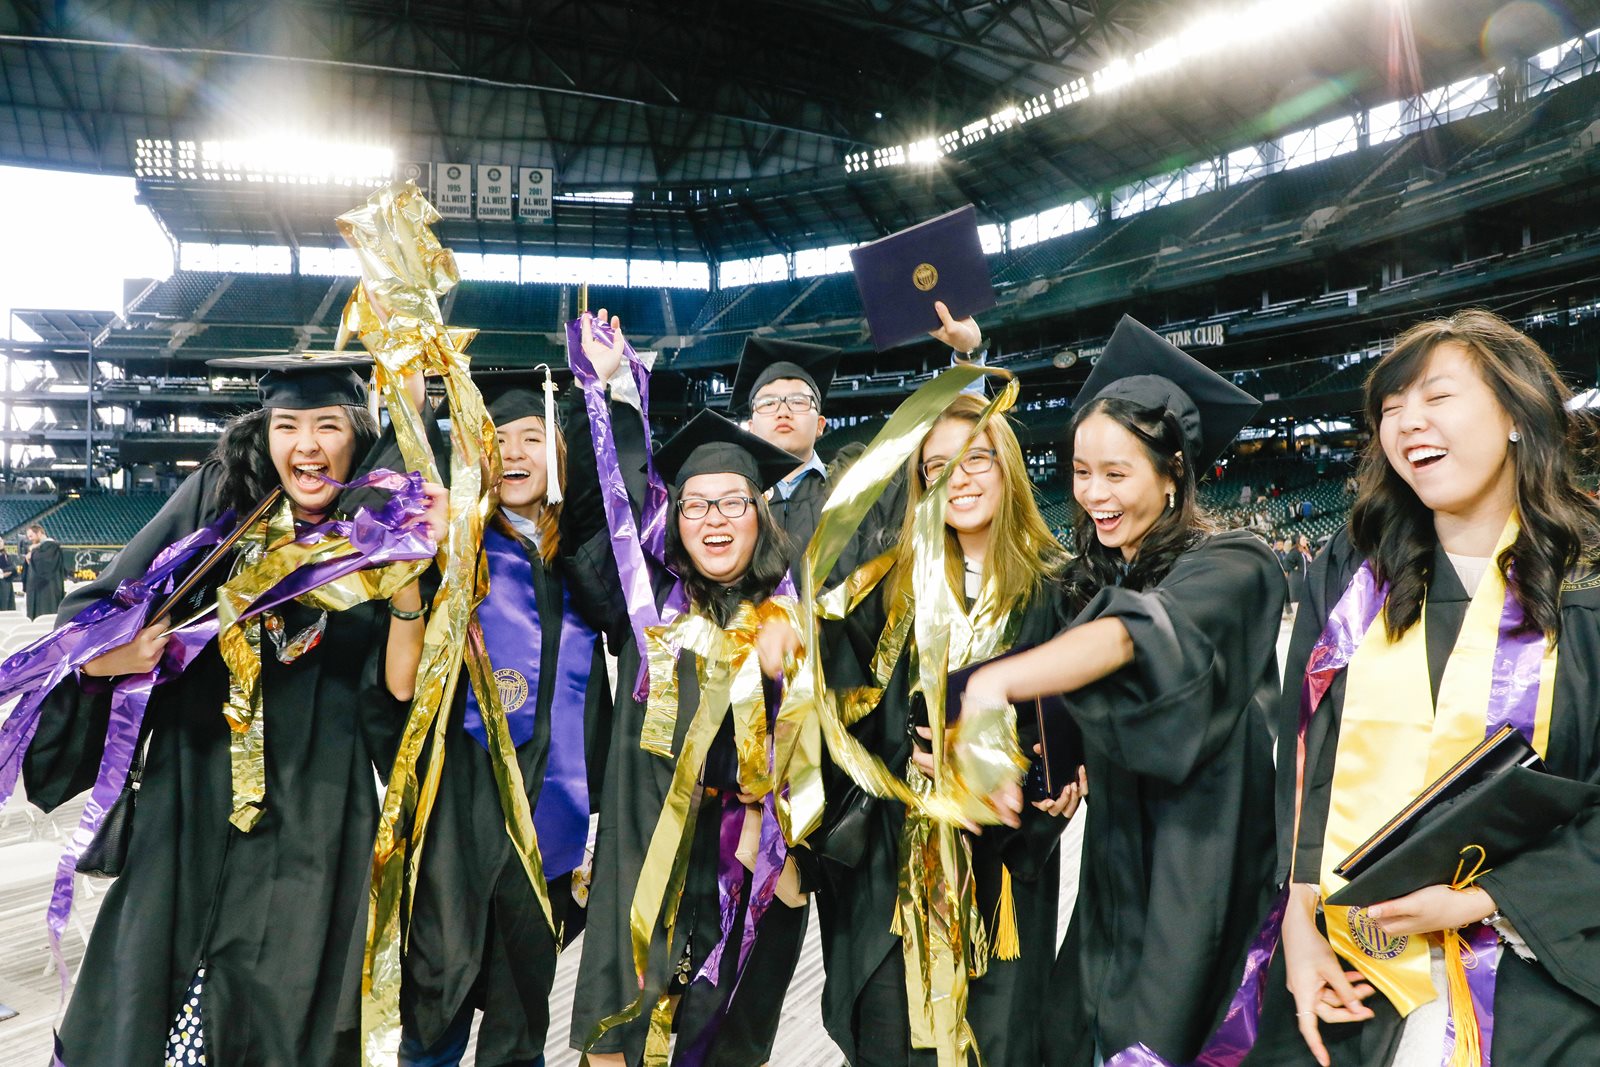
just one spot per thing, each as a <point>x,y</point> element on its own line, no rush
<point>1176,529</point>
<point>1560,526</point>
<point>768,564</point>
<point>246,459</point>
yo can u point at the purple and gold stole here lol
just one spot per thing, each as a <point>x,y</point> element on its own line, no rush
<point>513,635</point>
<point>1395,737</point>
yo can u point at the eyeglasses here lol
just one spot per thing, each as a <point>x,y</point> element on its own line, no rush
<point>731,506</point>
<point>977,461</point>
<point>799,403</point>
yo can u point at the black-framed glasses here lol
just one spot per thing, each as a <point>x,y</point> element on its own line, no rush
<point>731,506</point>
<point>799,403</point>
<point>976,461</point>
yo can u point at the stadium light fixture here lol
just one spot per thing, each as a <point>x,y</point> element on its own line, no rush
<point>281,159</point>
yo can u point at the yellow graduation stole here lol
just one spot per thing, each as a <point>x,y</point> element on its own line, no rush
<point>1393,741</point>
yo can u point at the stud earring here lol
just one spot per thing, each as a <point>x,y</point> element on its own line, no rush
<point>1172,500</point>
<point>1515,437</point>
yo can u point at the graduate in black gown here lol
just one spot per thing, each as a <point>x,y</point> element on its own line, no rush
<point>476,938</point>
<point>245,946</point>
<point>8,579</point>
<point>44,572</point>
<point>1002,567</point>
<point>724,544</point>
<point>1170,670</point>
<point>1468,489</point>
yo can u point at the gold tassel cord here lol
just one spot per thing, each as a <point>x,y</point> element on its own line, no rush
<point>1007,941</point>
<point>1468,1050</point>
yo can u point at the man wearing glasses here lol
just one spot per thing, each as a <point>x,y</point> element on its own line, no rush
<point>782,384</point>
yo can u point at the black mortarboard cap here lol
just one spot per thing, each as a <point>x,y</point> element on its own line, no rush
<point>510,395</point>
<point>298,381</point>
<point>1141,366</point>
<point>711,444</point>
<point>766,359</point>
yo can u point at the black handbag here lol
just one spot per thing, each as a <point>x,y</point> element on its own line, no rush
<point>108,852</point>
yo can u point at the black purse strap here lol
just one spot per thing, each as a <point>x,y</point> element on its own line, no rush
<point>136,765</point>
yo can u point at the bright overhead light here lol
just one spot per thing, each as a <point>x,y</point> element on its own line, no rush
<point>281,159</point>
<point>1209,35</point>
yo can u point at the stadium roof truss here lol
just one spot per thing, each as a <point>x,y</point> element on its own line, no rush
<point>732,124</point>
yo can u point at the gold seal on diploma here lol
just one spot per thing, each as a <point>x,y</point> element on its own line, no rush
<point>513,688</point>
<point>925,277</point>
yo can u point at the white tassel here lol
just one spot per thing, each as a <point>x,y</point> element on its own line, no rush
<point>552,467</point>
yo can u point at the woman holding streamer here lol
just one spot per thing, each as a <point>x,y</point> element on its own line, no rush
<point>1169,669</point>
<point>1471,550</point>
<point>241,945</point>
<point>695,919</point>
<point>902,896</point>
<point>477,938</point>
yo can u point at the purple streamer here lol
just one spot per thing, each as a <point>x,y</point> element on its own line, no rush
<point>628,544</point>
<point>771,852</point>
<point>1235,1036</point>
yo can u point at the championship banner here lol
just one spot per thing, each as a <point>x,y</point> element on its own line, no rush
<point>535,186</point>
<point>494,191</point>
<point>453,195</point>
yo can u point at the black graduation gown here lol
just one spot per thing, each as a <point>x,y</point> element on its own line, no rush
<point>476,931</point>
<point>196,891</point>
<point>637,783</point>
<point>8,579</point>
<point>1178,849</point>
<point>859,879</point>
<point>1294,565</point>
<point>44,578</point>
<point>1546,1012</point>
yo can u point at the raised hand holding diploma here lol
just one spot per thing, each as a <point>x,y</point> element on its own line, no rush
<point>963,335</point>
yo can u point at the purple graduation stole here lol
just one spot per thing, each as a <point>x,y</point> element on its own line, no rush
<point>514,638</point>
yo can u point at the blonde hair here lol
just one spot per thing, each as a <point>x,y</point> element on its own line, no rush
<point>1022,551</point>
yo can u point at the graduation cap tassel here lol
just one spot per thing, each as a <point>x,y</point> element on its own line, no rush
<point>1007,942</point>
<point>552,465</point>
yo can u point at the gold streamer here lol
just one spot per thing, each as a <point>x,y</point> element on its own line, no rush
<point>730,682</point>
<point>843,513</point>
<point>260,568</point>
<point>395,311</point>
<point>944,939</point>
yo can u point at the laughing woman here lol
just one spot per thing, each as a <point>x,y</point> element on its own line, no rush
<point>476,939</point>
<point>731,947</point>
<point>1470,519</point>
<point>1001,566</point>
<point>192,959</point>
<point>1170,669</point>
